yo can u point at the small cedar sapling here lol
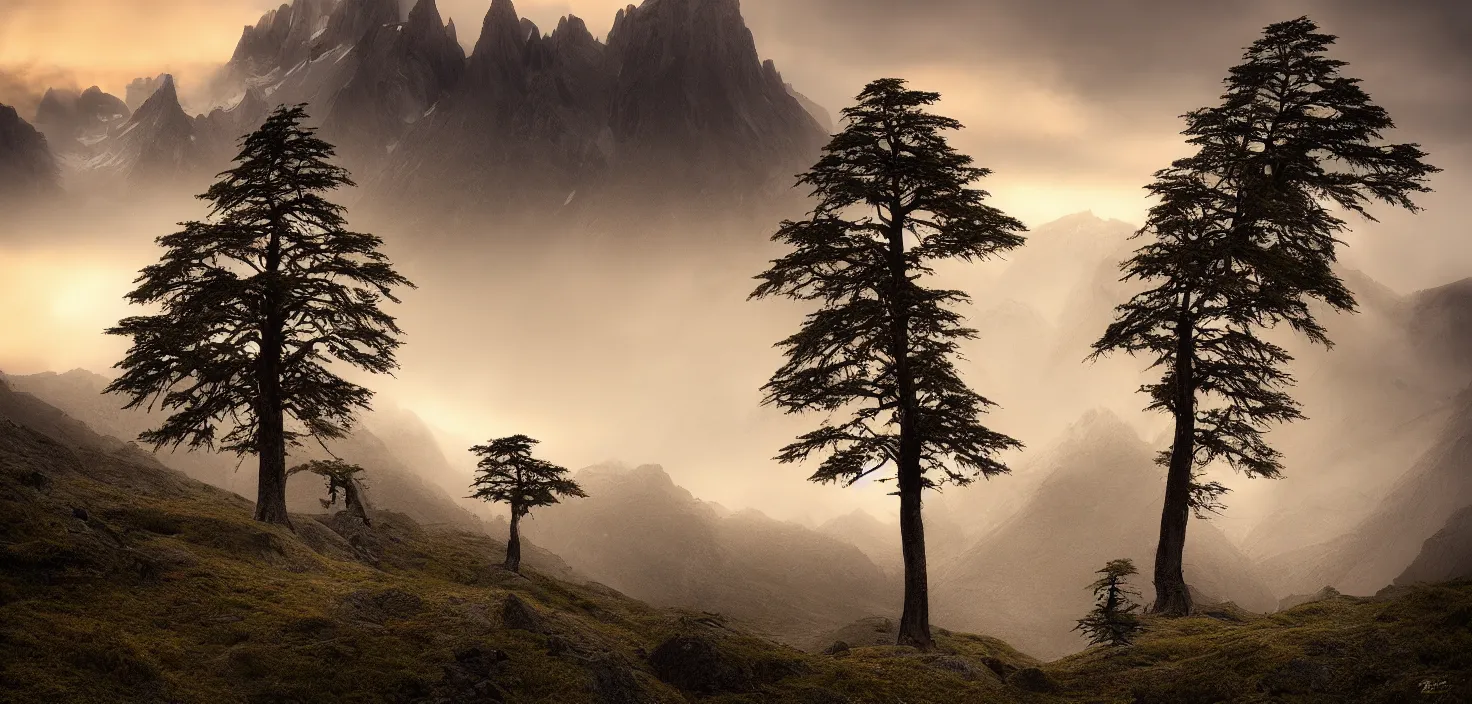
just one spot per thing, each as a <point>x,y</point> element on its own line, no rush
<point>256,304</point>
<point>893,199</point>
<point>1113,620</point>
<point>342,478</point>
<point>507,473</point>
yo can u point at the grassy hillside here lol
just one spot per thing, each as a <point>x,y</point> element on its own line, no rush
<point>121,580</point>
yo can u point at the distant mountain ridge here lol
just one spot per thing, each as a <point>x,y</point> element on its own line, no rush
<point>642,534</point>
<point>675,110</point>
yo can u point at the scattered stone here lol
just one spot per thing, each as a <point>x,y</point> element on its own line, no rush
<point>696,664</point>
<point>1031,679</point>
<point>469,678</point>
<point>615,681</point>
<point>519,615</point>
<point>965,669</point>
<point>838,648</point>
<point>1003,668</point>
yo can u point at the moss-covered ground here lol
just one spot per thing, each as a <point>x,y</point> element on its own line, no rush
<point>122,581</point>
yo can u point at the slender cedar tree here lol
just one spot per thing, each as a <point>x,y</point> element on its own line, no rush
<point>509,474</point>
<point>342,479</point>
<point>1113,620</point>
<point>1244,239</point>
<point>878,355</point>
<point>256,302</point>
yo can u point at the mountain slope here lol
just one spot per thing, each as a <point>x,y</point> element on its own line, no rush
<point>1445,556</point>
<point>394,481</point>
<point>647,537</point>
<point>123,581</point>
<point>1428,481</point>
<point>1026,581</point>
<point>27,166</point>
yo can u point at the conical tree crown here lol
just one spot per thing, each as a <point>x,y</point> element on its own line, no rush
<point>891,196</point>
<point>271,281</point>
<point>1245,237</point>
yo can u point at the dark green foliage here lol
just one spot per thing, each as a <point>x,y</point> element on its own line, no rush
<point>1113,620</point>
<point>878,355</point>
<point>1244,239</point>
<point>341,477</point>
<point>255,303</point>
<point>509,474</point>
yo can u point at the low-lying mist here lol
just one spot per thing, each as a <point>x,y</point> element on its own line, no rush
<point>636,346</point>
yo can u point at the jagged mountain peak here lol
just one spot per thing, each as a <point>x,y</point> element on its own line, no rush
<point>501,36</point>
<point>164,98</point>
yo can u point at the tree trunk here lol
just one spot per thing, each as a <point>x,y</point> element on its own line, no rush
<point>1172,598</point>
<point>271,448</point>
<point>513,543</point>
<point>915,621</point>
<point>270,412</point>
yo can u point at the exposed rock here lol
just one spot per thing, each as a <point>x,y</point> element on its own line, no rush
<point>519,615</point>
<point>960,666</point>
<point>838,648</point>
<point>471,677</point>
<point>1002,668</point>
<point>697,664</point>
<point>1032,679</point>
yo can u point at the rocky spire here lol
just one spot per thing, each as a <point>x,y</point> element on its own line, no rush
<point>497,58</point>
<point>353,19</point>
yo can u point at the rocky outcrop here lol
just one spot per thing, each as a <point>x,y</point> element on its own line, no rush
<point>27,166</point>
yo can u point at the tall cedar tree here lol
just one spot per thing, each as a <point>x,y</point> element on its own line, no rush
<point>893,198</point>
<point>1244,239</point>
<point>1113,620</point>
<point>256,302</point>
<point>509,474</point>
<point>342,478</point>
